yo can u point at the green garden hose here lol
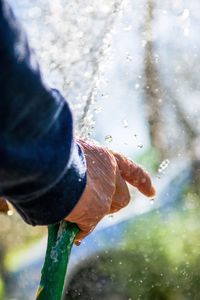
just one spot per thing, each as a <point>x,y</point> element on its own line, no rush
<point>60,240</point>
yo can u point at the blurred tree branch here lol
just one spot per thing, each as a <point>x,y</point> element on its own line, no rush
<point>158,97</point>
<point>154,93</point>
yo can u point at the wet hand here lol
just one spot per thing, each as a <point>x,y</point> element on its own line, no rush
<point>106,189</point>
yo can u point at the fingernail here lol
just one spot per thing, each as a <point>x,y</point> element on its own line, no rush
<point>77,243</point>
<point>152,192</point>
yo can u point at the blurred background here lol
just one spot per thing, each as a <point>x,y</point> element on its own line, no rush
<point>130,70</point>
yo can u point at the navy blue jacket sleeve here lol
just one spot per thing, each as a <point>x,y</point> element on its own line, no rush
<point>42,169</point>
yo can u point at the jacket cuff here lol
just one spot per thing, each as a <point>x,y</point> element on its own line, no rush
<point>59,200</point>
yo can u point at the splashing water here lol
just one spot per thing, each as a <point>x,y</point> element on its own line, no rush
<point>163,166</point>
<point>152,201</point>
<point>108,138</point>
<point>140,145</point>
<point>129,58</point>
<point>125,123</point>
<point>98,109</point>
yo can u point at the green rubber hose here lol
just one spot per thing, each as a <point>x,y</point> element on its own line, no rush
<point>60,240</point>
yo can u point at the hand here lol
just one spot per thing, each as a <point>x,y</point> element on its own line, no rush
<point>106,189</point>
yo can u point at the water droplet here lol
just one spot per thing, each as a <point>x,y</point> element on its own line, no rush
<point>186,14</point>
<point>98,109</point>
<point>152,201</point>
<point>127,28</point>
<point>163,166</point>
<point>140,145</point>
<point>93,162</point>
<point>108,138</point>
<point>144,42</point>
<point>129,58</point>
<point>125,123</point>
<point>10,213</point>
<point>137,86</point>
<point>79,179</point>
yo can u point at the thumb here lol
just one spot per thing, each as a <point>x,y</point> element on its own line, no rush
<point>135,175</point>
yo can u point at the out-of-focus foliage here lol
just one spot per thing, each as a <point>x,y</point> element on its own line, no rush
<point>161,255</point>
<point>150,160</point>
<point>159,259</point>
<point>16,234</point>
<point>1,289</point>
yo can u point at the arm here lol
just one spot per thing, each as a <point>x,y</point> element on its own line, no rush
<point>42,169</point>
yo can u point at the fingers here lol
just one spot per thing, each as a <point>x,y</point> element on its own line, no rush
<point>121,196</point>
<point>84,231</point>
<point>135,175</point>
<point>120,199</point>
<point>106,189</point>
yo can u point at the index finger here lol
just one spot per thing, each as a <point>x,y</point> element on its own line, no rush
<point>84,231</point>
<point>135,175</point>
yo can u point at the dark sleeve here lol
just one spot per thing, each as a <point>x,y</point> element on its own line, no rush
<point>42,169</point>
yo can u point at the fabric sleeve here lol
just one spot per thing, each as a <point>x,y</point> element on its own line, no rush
<point>42,169</point>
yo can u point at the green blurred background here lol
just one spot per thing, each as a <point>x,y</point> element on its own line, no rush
<point>130,70</point>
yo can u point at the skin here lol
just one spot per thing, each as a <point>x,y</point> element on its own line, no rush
<point>106,189</point>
